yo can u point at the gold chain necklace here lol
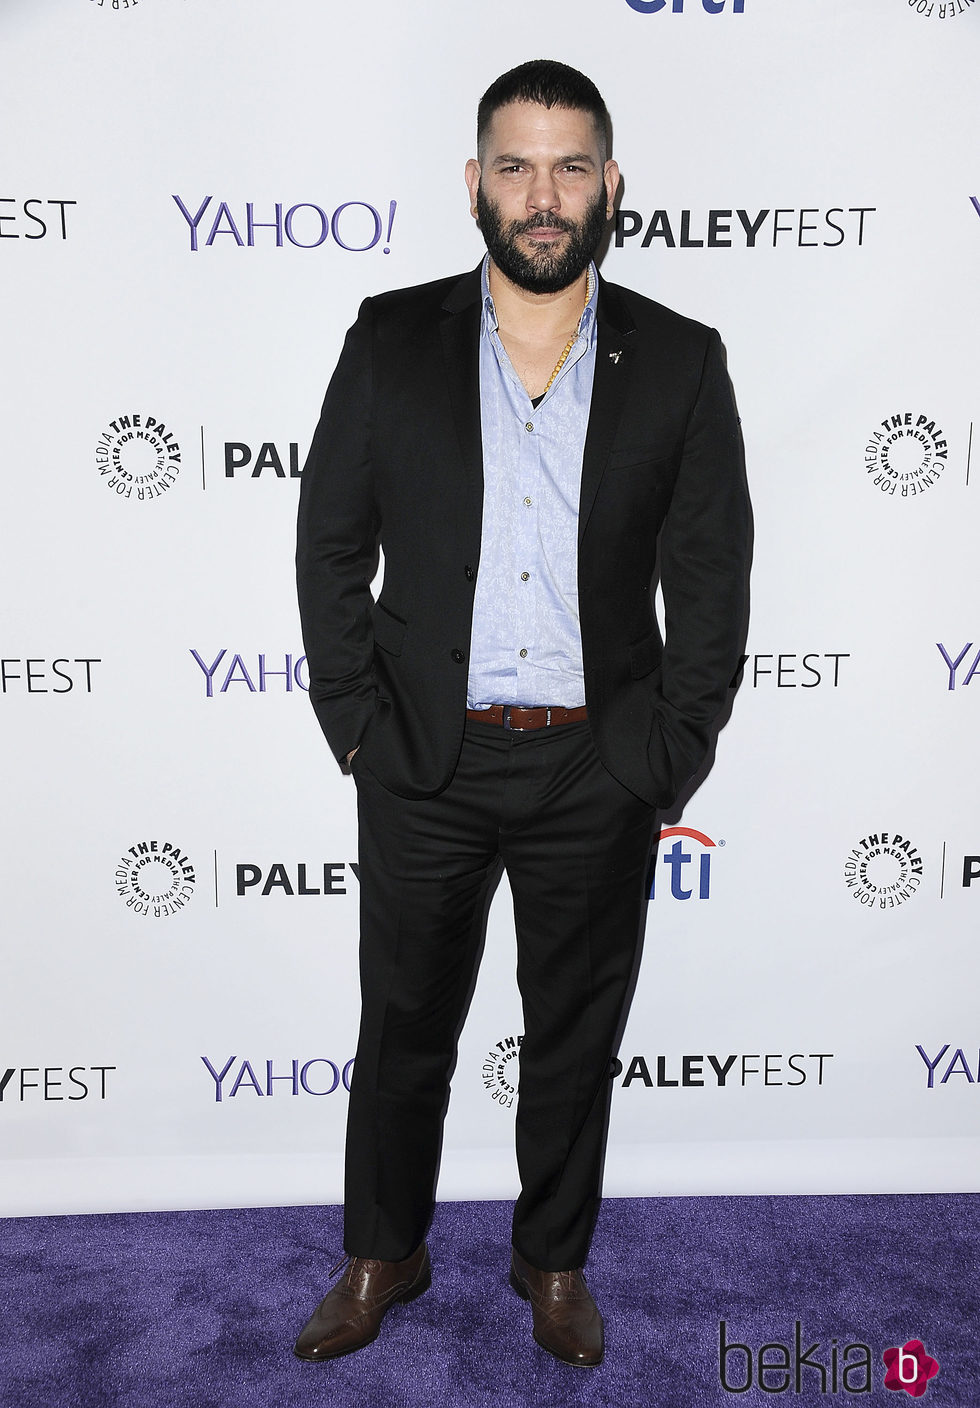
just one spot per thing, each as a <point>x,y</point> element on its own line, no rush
<point>571,341</point>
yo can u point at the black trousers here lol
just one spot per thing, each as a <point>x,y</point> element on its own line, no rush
<point>576,847</point>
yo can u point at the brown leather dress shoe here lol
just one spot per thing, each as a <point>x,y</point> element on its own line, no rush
<point>566,1319</point>
<point>350,1314</point>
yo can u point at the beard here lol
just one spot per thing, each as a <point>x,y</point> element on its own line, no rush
<point>546,269</point>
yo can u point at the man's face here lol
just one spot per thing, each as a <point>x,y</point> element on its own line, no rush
<point>541,194</point>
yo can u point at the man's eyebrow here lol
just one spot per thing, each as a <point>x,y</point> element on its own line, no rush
<point>507,159</point>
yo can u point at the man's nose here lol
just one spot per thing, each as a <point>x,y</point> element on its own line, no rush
<point>543,193</point>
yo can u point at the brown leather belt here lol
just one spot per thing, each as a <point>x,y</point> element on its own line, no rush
<point>512,716</point>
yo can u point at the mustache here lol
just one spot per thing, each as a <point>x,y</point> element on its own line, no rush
<point>544,220</point>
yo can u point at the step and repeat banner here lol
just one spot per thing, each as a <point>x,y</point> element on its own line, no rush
<point>195,197</point>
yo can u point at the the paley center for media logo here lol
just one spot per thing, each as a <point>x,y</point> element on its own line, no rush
<point>155,879</point>
<point>138,456</point>
<point>939,9</point>
<point>500,1071</point>
<point>883,870</point>
<point>906,453</point>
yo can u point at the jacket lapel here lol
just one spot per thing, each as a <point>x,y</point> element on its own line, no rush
<point>613,373</point>
<point>460,332</point>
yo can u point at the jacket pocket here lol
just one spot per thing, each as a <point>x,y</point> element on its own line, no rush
<point>389,629</point>
<point>645,656</point>
<point>651,457</point>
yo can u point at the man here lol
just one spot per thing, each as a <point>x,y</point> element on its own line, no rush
<point>516,440</point>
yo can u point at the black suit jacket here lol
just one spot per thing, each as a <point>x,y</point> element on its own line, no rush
<point>397,461</point>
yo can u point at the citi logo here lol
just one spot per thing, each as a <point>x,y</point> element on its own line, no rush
<point>710,7</point>
<point>688,861</point>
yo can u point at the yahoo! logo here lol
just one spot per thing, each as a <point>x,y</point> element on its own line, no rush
<point>710,7</point>
<point>236,672</point>
<point>355,225</point>
<point>953,665</point>
<point>318,1076</point>
<point>957,1065</point>
<point>679,857</point>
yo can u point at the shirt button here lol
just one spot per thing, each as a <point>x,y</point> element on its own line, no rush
<point>529,425</point>
<point>458,656</point>
<point>528,502</point>
<point>523,654</point>
<point>525,576</point>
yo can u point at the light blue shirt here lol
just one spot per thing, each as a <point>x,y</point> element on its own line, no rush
<point>526,645</point>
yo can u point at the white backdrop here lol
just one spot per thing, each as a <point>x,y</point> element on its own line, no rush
<point>195,199</point>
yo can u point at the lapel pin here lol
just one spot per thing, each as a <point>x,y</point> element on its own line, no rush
<point>615,356</point>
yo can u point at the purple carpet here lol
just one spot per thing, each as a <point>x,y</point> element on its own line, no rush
<point>199,1309</point>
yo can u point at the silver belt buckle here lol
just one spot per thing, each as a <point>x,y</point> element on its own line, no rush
<point>515,728</point>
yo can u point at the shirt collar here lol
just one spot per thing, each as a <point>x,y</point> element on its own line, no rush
<point>587,322</point>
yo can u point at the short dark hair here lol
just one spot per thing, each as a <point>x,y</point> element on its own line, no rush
<point>551,84</point>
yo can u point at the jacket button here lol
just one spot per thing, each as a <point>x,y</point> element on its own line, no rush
<point>458,656</point>
<point>470,574</point>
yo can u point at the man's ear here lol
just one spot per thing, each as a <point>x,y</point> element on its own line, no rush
<point>610,178</point>
<point>472,182</point>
